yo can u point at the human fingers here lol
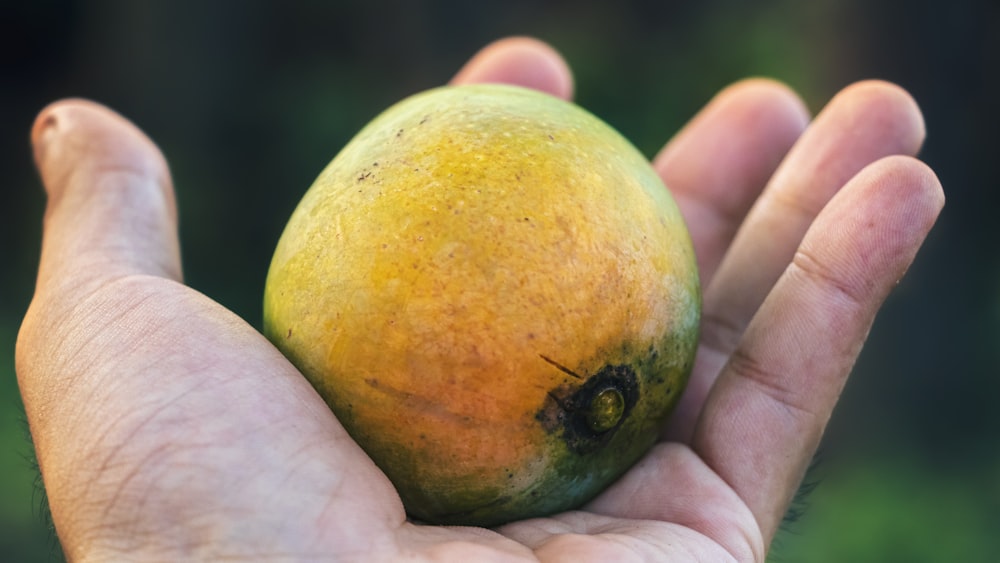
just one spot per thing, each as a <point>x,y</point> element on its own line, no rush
<point>110,207</point>
<point>522,61</point>
<point>718,164</point>
<point>863,123</point>
<point>766,413</point>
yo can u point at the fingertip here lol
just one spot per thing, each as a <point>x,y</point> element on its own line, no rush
<point>873,228</point>
<point>62,117</point>
<point>109,194</point>
<point>49,124</point>
<point>45,125</point>
<point>776,99</point>
<point>521,61</point>
<point>912,181</point>
<point>773,111</point>
<point>72,118</point>
<point>891,104</point>
<point>76,134</point>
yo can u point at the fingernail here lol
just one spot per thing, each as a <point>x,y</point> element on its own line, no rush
<point>46,127</point>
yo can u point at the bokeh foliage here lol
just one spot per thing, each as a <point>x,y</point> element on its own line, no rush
<point>249,99</point>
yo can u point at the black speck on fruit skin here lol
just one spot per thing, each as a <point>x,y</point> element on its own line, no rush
<point>566,407</point>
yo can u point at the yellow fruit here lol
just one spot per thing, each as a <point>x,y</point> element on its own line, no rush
<point>497,297</point>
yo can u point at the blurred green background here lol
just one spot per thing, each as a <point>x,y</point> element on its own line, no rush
<point>250,99</point>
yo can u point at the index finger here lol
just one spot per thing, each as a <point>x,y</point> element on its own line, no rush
<point>521,61</point>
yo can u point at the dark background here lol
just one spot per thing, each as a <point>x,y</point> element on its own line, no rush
<point>250,99</point>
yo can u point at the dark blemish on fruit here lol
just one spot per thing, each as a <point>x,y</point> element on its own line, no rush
<point>289,335</point>
<point>559,366</point>
<point>557,400</point>
<point>587,416</point>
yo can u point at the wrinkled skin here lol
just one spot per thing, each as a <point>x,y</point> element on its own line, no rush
<point>167,428</point>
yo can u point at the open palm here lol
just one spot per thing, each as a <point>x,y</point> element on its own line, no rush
<point>169,429</point>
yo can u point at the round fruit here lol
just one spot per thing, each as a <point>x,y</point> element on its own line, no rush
<point>497,297</point>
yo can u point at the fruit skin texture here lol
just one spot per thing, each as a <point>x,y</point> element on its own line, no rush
<point>497,297</point>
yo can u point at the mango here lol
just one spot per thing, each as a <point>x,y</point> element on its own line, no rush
<point>497,297</point>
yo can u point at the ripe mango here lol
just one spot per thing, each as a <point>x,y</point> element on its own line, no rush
<point>497,297</point>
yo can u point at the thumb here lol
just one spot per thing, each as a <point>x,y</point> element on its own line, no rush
<point>111,208</point>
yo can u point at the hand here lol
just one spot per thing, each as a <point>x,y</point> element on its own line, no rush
<point>167,428</point>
